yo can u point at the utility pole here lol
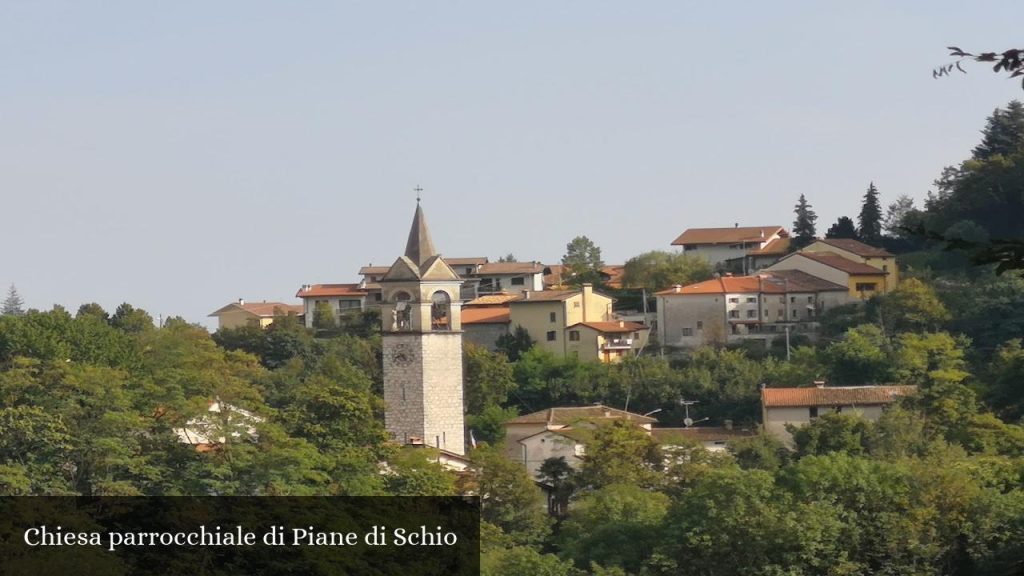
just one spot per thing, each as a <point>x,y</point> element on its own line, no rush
<point>787,342</point>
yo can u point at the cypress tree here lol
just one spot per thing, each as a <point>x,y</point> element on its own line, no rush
<point>870,221</point>
<point>13,305</point>
<point>843,228</point>
<point>803,226</point>
<point>1003,133</point>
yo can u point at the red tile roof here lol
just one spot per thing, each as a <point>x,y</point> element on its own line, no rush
<point>613,275</point>
<point>471,261</point>
<point>491,300</point>
<point>510,268</point>
<point>263,309</point>
<point>545,296</point>
<point>490,315</point>
<point>833,396</point>
<point>839,263</point>
<point>856,247</point>
<point>728,235</point>
<point>380,270</point>
<point>613,327</point>
<point>768,282</point>
<point>316,290</point>
<point>570,414</point>
<point>779,246</point>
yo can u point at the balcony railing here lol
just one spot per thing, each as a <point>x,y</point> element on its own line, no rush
<point>618,344</point>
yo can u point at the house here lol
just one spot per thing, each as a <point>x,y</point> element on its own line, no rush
<point>719,245</point>
<point>497,277</point>
<point>487,318</point>
<point>532,438</point>
<point>799,406</point>
<point>862,280</point>
<point>340,298</point>
<point>242,313</point>
<point>466,268</point>
<point>558,319</point>
<point>611,275</point>
<point>858,251</point>
<point>763,257</point>
<point>711,438</point>
<point>733,309</point>
<point>609,342</point>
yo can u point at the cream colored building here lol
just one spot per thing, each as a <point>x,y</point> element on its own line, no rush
<point>719,245</point>
<point>340,298</point>
<point>799,406</point>
<point>550,315</point>
<point>609,342</point>
<point>242,313</point>
<point>878,258</point>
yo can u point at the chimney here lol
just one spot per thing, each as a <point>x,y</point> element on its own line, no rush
<point>736,225</point>
<point>241,302</point>
<point>728,424</point>
<point>677,288</point>
<point>526,294</point>
<point>588,288</point>
<point>622,324</point>
<point>819,383</point>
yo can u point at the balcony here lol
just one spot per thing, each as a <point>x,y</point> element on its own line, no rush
<point>618,344</point>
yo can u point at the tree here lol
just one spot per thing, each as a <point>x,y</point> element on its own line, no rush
<point>843,228</point>
<point>1003,133</point>
<point>832,432</point>
<point>657,270</point>
<point>896,216</point>
<point>912,306</point>
<point>509,499</point>
<point>515,344</point>
<point>583,261</point>
<point>761,452</point>
<point>93,309</point>
<point>869,223</point>
<point>560,478</point>
<point>803,227</point>
<point>621,452</point>
<point>130,319</point>
<point>861,357</point>
<point>13,305</point>
<point>508,258</point>
<point>1009,61</point>
<point>487,378</point>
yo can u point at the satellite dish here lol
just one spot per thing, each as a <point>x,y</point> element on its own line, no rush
<point>687,422</point>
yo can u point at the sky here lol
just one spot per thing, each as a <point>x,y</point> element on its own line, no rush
<point>181,155</point>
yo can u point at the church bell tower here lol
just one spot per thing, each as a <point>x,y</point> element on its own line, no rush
<point>422,346</point>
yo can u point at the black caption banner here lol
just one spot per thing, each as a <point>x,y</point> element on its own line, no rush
<point>239,535</point>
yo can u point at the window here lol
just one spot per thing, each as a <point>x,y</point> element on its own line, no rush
<point>734,300</point>
<point>782,299</point>
<point>795,313</point>
<point>734,313</point>
<point>782,313</point>
<point>378,297</point>
<point>636,335</point>
<point>885,267</point>
<point>575,304</point>
<point>866,286</point>
<point>574,336</point>
<point>810,299</point>
<point>751,299</point>
<point>553,317</point>
<point>551,336</point>
<point>751,313</point>
<point>687,332</point>
<point>700,324</point>
<point>518,281</point>
<point>792,299</point>
<point>813,412</point>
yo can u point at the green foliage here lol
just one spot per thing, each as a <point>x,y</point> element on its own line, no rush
<point>522,561</point>
<point>1003,134</point>
<point>612,526</point>
<point>489,425</point>
<point>803,226</point>
<point>861,357</point>
<point>869,223</point>
<point>131,319</point>
<point>913,306</point>
<point>487,378</point>
<point>1006,377</point>
<point>621,452</point>
<point>515,344</point>
<point>414,472</point>
<point>899,215</point>
<point>509,499</point>
<point>843,228</point>
<point>324,321</point>
<point>582,261</point>
<point>657,270</point>
<point>832,432</point>
<point>761,452</point>
<point>13,305</point>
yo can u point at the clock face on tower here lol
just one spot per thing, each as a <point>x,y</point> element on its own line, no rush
<point>402,353</point>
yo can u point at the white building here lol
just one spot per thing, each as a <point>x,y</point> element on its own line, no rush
<point>799,406</point>
<point>718,245</point>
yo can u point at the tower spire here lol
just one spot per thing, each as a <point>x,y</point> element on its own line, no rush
<point>420,247</point>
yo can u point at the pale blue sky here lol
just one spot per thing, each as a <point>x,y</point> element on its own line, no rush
<point>179,155</point>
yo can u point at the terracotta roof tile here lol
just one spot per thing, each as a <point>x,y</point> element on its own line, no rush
<point>613,327</point>
<point>570,414</point>
<point>856,247</point>
<point>490,300</point>
<point>263,309</point>
<point>728,235</point>
<point>800,281</point>
<point>510,268</point>
<point>380,270</point>
<point>471,261</point>
<point>839,263</point>
<point>316,290</point>
<point>778,246</point>
<point>495,315</point>
<point>699,434</point>
<point>544,296</point>
<point>833,396</point>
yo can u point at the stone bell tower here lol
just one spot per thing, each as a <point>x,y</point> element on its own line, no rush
<point>422,345</point>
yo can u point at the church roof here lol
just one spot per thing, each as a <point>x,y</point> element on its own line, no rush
<point>420,247</point>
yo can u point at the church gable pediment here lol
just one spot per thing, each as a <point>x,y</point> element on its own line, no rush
<point>437,269</point>
<point>402,269</point>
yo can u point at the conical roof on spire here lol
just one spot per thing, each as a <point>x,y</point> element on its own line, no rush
<point>420,247</point>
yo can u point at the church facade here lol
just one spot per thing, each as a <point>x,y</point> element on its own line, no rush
<point>422,346</point>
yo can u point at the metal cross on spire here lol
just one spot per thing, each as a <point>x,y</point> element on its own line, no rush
<point>417,189</point>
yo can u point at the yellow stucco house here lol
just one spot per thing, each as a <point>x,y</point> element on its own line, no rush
<point>242,313</point>
<point>858,251</point>
<point>864,270</point>
<point>576,323</point>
